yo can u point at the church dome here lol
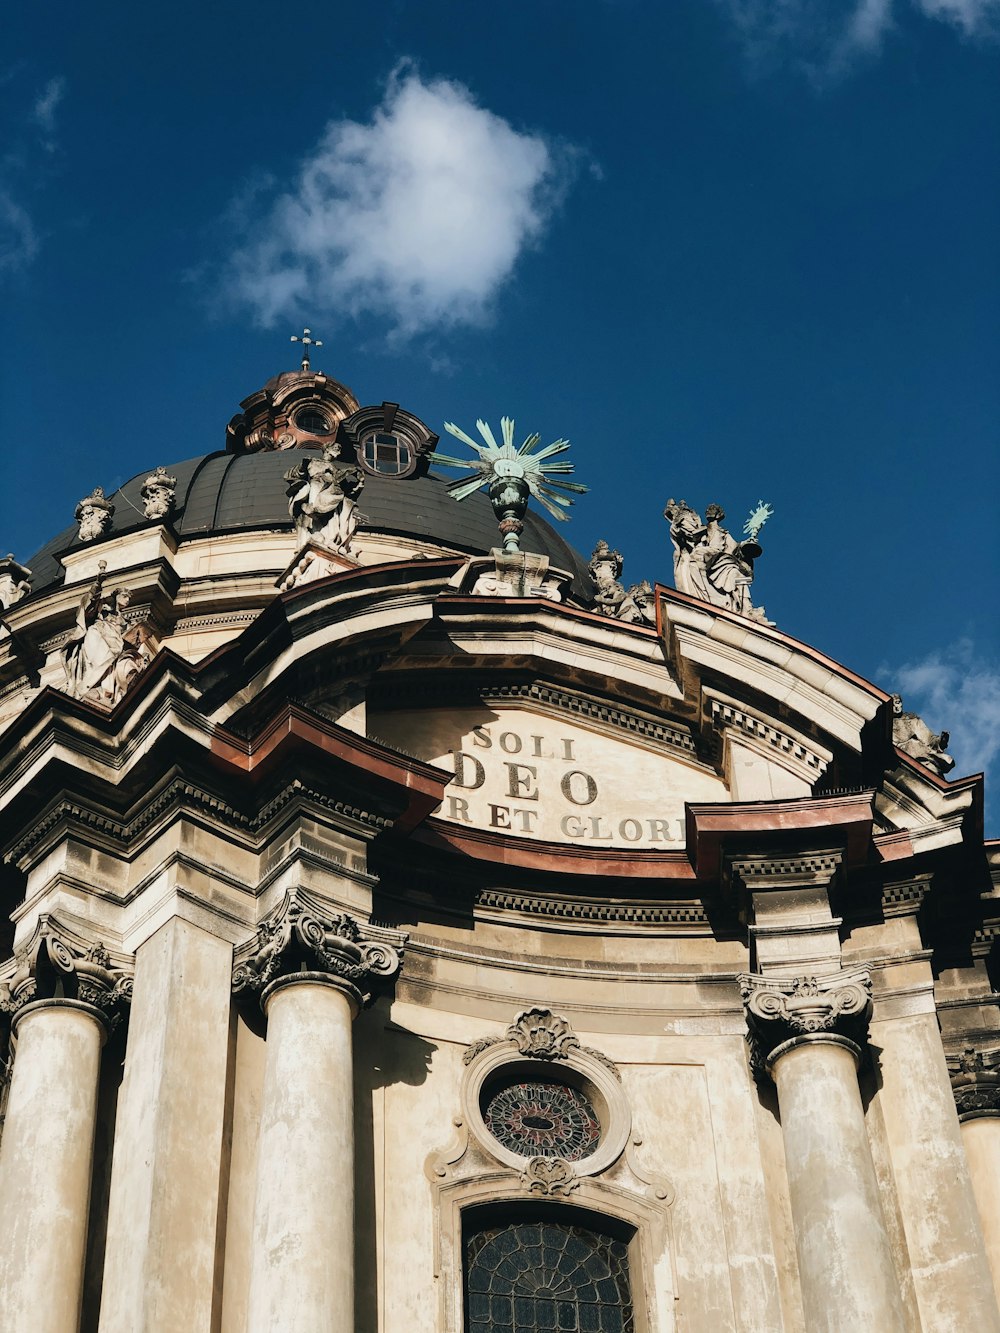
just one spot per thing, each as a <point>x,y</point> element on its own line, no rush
<point>232,492</point>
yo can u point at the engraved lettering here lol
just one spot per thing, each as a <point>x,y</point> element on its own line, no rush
<point>519,781</point>
<point>499,816</point>
<point>659,830</point>
<point>462,760</point>
<point>526,816</point>
<point>568,749</point>
<point>596,822</point>
<point>630,830</point>
<point>510,742</point>
<point>536,750</point>
<point>588,797</point>
<point>481,737</point>
<point>458,808</point>
<point>577,831</point>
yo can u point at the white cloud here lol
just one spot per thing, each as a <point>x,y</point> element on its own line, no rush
<point>825,38</point>
<point>957,690</point>
<point>44,109</point>
<point>18,239</point>
<point>418,215</point>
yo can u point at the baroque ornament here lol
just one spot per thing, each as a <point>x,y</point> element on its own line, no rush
<point>55,963</point>
<point>549,1176</point>
<point>780,1009</point>
<point>94,514</point>
<point>710,563</point>
<point>15,581</point>
<point>322,491</point>
<point>975,1082</point>
<point>913,736</point>
<point>158,494</point>
<point>542,1035</point>
<point>101,657</point>
<point>302,934</point>
<point>512,475</point>
<point>633,607</point>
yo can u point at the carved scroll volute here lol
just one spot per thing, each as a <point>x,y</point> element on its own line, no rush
<point>780,1009</point>
<point>57,964</point>
<point>302,934</point>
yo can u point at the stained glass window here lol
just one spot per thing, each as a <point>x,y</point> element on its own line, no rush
<point>543,1120</point>
<point>527,1277</point>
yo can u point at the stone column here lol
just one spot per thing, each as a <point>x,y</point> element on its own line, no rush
<point>975,1081</point>
<point>64,1000</point>
<point>807,1034</point>
<point>311,970</point>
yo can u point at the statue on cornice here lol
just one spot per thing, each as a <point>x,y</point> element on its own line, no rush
<point>322,492</point>
<point>913,736</point>
<point>101,657</point>
<point>158,494</point>
<point>94,514</point>
<point>634,607</point>
<point>15,581</point>
<point>709,563</point>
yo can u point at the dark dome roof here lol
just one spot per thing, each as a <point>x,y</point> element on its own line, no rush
<point>225,492</point>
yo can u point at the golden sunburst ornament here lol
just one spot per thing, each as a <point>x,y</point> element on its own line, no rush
<point>512,474</point>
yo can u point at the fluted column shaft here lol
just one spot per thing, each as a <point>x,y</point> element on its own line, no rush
<point>46,1159</point>
<point>849,1283</point>
<point>302,1264</point>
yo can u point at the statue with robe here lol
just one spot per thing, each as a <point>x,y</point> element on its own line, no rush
<point>322,494</point>
<point>101,656</point>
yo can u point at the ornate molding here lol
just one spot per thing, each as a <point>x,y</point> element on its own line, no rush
<point>603,913</point>
<point>540,1034</point>
<point>57,963</point>
<point>549,1176</point>
<point>975,1082</point>
<point>730,716</point>
<point>303,934</point>
<point>781,1009</point>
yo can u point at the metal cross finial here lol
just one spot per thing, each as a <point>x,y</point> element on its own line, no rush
<point>306,342</point>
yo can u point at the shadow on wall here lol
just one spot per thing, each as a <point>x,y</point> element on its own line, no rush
<point>384,1055</point>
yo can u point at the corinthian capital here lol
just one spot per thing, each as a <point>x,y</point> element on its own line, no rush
<point>303,934</point>
<point>779,1009</point>
<point>58,963</point>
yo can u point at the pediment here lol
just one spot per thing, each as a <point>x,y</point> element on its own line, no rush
<point>521,773</point>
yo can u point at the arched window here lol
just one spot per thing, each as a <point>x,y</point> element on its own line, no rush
<point>387,453</point>
<point>546,1272</point>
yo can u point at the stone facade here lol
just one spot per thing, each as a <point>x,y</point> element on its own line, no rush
<point>413,902</point>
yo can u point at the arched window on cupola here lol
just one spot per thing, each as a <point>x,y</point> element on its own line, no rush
<point>540,1268</point>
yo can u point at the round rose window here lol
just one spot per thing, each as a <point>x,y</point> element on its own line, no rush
<point>543,1120</point>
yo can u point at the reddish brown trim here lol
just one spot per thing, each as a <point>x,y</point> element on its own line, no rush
<point>820,821</point>
<point>530,854</point>
<point>894,846</point>
<point>420,786</point>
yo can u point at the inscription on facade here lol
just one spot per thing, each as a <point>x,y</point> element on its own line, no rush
<point>529,776</point>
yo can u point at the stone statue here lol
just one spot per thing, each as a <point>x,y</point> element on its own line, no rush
<point>638,607</point>
<point>709,563</point>
<point>101,658</point>
<point>322,491</point>
<point>913,736</point>
<point>158,496</point>
<point>15,581</point>
<point>605,567</point>
<point>94,514</point>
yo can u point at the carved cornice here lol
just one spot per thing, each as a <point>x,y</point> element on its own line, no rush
<point>540,1034</point>
<point>604,913</point>
<point>57,963</point>
<point>303,934</point>
<point>728,715</point>
<point>765,871</point>
<point>781,1009</point>
<point>975,1082</point>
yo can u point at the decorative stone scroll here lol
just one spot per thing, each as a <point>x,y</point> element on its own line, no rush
<point>549,1176</point>
<point>633,607</point>
<point>57,963</point>
<point>15,581</point>
<point>159,494</point>
<point>102,655</point>
<point>913,736</point>
<point>541,1035</point>
<point>975,1082</point>
<point>302,934</point>
<point>94,514</point>
<point>781,1009</point>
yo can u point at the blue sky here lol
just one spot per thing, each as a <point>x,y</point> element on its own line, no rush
<point>734,249</point>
